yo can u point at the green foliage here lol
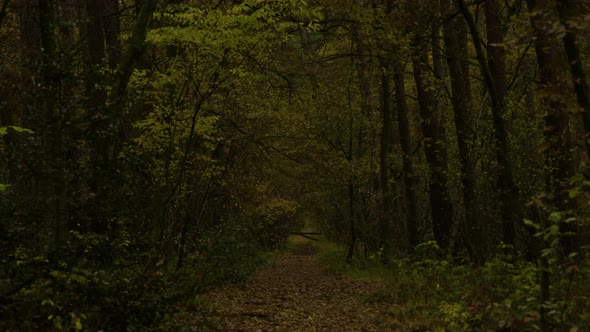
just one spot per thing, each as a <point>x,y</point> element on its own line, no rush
<point>109,297</point>
<point>4,130</point>
<point>441,294</point>
<point>117,214</point>
<point>500,294</point>
<point>227,254</point>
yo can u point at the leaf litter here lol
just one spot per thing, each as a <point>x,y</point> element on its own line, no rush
<point>297,294</point>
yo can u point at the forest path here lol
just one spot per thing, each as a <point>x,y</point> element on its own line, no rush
<point>297,294</point>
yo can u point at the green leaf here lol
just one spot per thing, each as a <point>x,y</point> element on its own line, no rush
<point>50,302</point>
<point>531,223</point>
<point>555,216</point>
<point>3,187</point>
<point>570,219</point>
<point>4,130</point>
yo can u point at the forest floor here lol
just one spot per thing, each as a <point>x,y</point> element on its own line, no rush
<point>296,293</point>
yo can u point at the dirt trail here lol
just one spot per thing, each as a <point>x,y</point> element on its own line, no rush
<point>297,294</point>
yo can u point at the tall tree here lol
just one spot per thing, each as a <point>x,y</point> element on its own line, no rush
<point>95,93</point>
<point>384,160</point>
<point>53,120</point>
<point>385,149</point>
<point>409,180</point>
<point>112,31</point>
<point>454,32</point>
<point>30,53</point>
<point>432,127</point>
<point>435,152</point>
<point>559,157</point>
<point>567,10</point>
<point>493,68</point>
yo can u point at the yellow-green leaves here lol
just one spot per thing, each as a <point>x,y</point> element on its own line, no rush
<point>4,130</point>
<point>250,24</point>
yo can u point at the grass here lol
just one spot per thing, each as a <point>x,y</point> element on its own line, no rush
<point>331,255</point>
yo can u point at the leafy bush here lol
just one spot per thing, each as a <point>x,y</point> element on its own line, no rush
<point>130,295</point>
<point>428,291</point>
<point>500,294</point>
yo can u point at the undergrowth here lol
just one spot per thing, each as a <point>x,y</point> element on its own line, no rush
<point>431,293</point>
<point>158,296</point>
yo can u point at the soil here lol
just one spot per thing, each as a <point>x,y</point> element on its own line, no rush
<point>297,294</point>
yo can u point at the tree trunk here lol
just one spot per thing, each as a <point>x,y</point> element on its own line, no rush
<point>351,158</point>
<point>112,31</point>
<point>385,220</point>
<point>352,223</point>
<point>435,151</point>
<point>127,64</point>
<point>133,53</point>
<point>493,68</point>
<point>460,97</point>
<point>94,35</point>
<point>559,159</point>
<point>567,10</point>
<point>510,207</point>
<point>96,96</point>
<point>367,145</point>
<point>53,118</point>
<point>410,198</point>
<point>384,162</point>
<point>31,54</point>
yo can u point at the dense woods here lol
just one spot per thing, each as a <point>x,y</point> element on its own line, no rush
<point>152,150</point>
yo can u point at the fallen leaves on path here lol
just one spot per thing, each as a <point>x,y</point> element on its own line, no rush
<point>297,294</point>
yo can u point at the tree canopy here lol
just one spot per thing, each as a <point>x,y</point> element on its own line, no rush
<point>151,150</point>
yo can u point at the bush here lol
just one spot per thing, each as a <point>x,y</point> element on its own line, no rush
<point>132,295</point>
<point>500,294</point>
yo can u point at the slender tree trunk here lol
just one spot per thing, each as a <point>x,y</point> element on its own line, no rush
<point>410,197</point>
<point>96,96</point>
<point>367,145</point>
<point>567,10</point>
<point>31,55</point>
<point>309,53</point>
<point>112,31</point>
<point>384,162</point>
<point>129,60</point>
<point>351,177</point>
<point>460,97</point>
<point>95,40</point>
<point>133,53</point>
<point>493,68</point>
<point>511,209</point>
<point>437,56</point>
<point>352,223</point>
<point>434,148</point>
<point>385,220</point>
<point>54,143</point>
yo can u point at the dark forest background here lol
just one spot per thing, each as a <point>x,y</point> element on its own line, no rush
<point>150,150</point>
